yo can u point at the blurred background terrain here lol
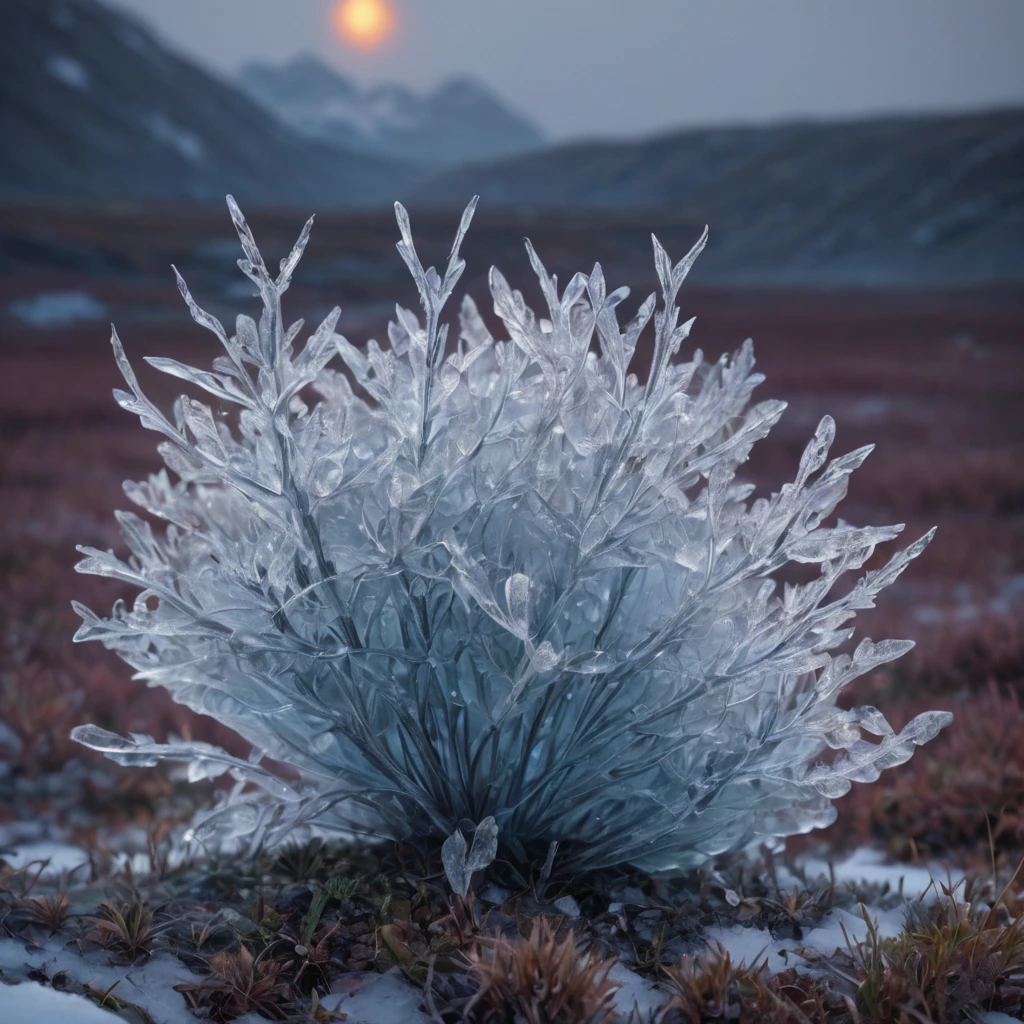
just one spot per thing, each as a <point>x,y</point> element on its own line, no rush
<point>876,256</point>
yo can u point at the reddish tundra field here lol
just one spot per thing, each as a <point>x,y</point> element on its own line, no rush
<point>936,380</point>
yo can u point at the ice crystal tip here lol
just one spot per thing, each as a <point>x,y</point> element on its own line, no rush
<point>496,586</point>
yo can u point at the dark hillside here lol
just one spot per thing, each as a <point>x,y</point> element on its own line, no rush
<point>92,105</point>
<point>897,201</point>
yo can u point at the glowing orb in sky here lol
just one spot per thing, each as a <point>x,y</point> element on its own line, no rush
<point>364,23</point>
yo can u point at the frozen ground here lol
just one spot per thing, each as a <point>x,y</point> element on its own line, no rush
<point>372,998</point>
<point>34,1004</point>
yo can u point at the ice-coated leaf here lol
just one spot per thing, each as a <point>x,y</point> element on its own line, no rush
<point>218,387</point>
<point>460,865</point>
<point>816,452</point>
<point>485,845</point>
<point>497,581</point>
<point>517,597</point>
<point>683,267</point>
<point>926,726</point>
<point>101,739</point>
<point>291,261</point>
<point>453,857</point>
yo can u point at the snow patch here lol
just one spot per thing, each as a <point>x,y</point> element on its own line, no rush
<point>381,999</point>
<point>150,985</point>
<point>338,110</point>
<point>30,1003</point>
<point>68,70</point>
<point>395,107</point>
<point>870,865</point>
<point>58,309</point>
<point>172,135</point>
<point>59,857</point>
<point>636,995</point>
<point>390,999</point>
<point>751,945</point>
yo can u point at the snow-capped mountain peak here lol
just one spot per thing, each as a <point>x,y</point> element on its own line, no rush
<point>458,122</point>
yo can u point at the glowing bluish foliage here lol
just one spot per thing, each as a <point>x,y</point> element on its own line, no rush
<point>497,578</point>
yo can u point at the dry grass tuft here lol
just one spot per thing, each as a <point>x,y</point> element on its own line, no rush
<point>51,910</point>
<point>539,979</point>
<point>125,928</point>
<point>713,988</point>
<point>240,983</point>
<point>952,962</point>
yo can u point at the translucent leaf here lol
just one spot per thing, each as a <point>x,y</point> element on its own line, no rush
<point>458,865</point>
<point>453,856</point>
<point>517,596</point>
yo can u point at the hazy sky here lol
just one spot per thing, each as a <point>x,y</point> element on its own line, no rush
<point>586,67</point>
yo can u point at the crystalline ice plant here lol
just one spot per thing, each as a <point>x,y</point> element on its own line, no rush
<point>497,579</point>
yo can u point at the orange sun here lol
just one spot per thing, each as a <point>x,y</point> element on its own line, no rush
<point>364,23</point>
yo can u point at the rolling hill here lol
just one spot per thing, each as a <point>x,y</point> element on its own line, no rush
<point>891,200</point>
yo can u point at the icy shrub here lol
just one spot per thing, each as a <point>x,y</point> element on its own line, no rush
<point>497,580</point>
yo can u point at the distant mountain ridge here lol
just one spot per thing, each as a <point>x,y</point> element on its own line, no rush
<point>893,199</point>
<point>92,105</point>
<point>459,122</point>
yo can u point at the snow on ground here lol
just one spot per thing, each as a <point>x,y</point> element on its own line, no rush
<point>45,845</point>
<point>864,865</point>
<point>388,998</point>
<point>34,1004</point>
<point>61,857</point>
<point>636,993</point>
<point>870,865</point>
<point>749,945</point>
<point>150,985</point>
<point>380,999</point>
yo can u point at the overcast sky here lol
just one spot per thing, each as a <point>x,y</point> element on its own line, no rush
<point>618,67</point>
